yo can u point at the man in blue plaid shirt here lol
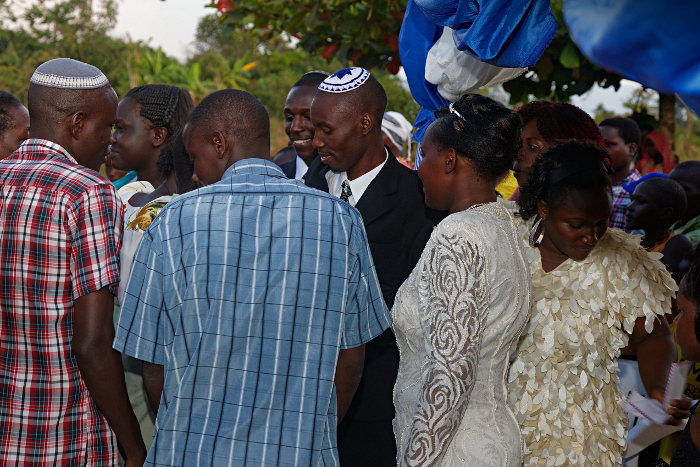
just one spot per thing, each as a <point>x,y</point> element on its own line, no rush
<point>249,302</point>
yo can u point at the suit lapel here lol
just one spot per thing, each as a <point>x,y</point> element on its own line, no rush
<point>375,200</point>
<point>316,175</point>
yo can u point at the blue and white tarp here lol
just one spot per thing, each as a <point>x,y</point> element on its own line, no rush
<point>492,41</point>
<point>655,43</point>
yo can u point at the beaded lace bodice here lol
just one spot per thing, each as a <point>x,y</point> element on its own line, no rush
<point>457,319</point>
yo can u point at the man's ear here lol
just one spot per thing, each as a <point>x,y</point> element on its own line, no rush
<point>218,140</point>
<point>542,210</point>
<point>366,123</point>
<point>450,158</point>
<point>668,213</point>
<point>76,124</point>
<point>158,136</point>
<point>633,149</point>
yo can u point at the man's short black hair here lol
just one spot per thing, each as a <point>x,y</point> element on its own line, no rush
<point>7,101</point>
<point>668,194</point>
<point>312,79</point>
<point>233,112</point>
<point>692,168</point>
<point>626,128</point>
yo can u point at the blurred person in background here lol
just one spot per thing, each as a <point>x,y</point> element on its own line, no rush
<point>623,139</point>
<point>545,122</point>
<point>297,124</point>
<point>14,124</point>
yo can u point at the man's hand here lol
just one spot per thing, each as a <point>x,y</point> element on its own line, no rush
<point>101,369</point>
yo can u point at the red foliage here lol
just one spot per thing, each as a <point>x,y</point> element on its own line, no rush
<point>223,6</point>
<point>328,51</point>
<point>393,42</point>
<point>397,15</point>
<point>394,65</point>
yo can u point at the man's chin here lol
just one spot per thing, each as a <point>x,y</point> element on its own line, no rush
<point>332,162</point>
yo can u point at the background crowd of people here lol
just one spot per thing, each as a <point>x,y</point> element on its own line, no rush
<point>203,305</point>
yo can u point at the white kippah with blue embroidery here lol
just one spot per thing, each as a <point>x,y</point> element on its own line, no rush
<point>67,73</point>
<point>345,80</point>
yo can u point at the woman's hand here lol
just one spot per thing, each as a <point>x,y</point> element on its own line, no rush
<point>679,410</point>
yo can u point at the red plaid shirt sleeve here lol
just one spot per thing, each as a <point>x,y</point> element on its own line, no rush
<point>96,240</point>
<point>60,227</point>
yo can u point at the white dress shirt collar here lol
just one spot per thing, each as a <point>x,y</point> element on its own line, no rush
<point>358,186</point>
<point>302,168</point>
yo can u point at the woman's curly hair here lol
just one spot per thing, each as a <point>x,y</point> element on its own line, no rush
<point>536,187</point>
<point>487,133</point>
<point>561,121</point>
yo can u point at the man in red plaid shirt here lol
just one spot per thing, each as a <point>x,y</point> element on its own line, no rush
<point>62,391</point>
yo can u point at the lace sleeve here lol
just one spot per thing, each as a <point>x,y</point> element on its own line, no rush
<point>453,295</point>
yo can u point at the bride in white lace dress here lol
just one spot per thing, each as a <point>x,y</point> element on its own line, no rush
<point>458,316</point>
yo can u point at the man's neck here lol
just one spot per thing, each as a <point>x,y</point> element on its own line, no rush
<point>654,234</point>
<point>371,159</point>
<point>620,175</point>
<point>48,136</point>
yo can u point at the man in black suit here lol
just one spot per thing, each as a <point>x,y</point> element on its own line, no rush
<point>297,123</point>
<point>354,165</point>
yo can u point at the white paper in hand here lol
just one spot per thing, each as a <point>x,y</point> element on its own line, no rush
<point>648,409</point>
<point>653,410</point>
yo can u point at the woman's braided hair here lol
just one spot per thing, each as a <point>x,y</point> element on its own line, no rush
<point>536,187</point>
<point>561,121</point>
<point>690,286</point>
<point>485,131</point>
<point>165,107</point>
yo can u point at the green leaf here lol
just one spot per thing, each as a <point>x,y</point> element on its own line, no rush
<point>544,67</point>
<point>227,29</point>
<point>569,56</point>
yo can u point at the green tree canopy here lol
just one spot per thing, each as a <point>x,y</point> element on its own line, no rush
<point>366,33</point>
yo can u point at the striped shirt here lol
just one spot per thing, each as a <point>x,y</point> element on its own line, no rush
<point>245,290</point>
<point>60,234</point>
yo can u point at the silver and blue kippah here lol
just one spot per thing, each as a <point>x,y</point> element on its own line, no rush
<point>67,73</point>
<point>345,80</point>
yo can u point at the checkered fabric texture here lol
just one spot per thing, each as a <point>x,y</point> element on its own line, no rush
<point>245,290</point>
<point>60,233</point>
<point>621,199</point>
